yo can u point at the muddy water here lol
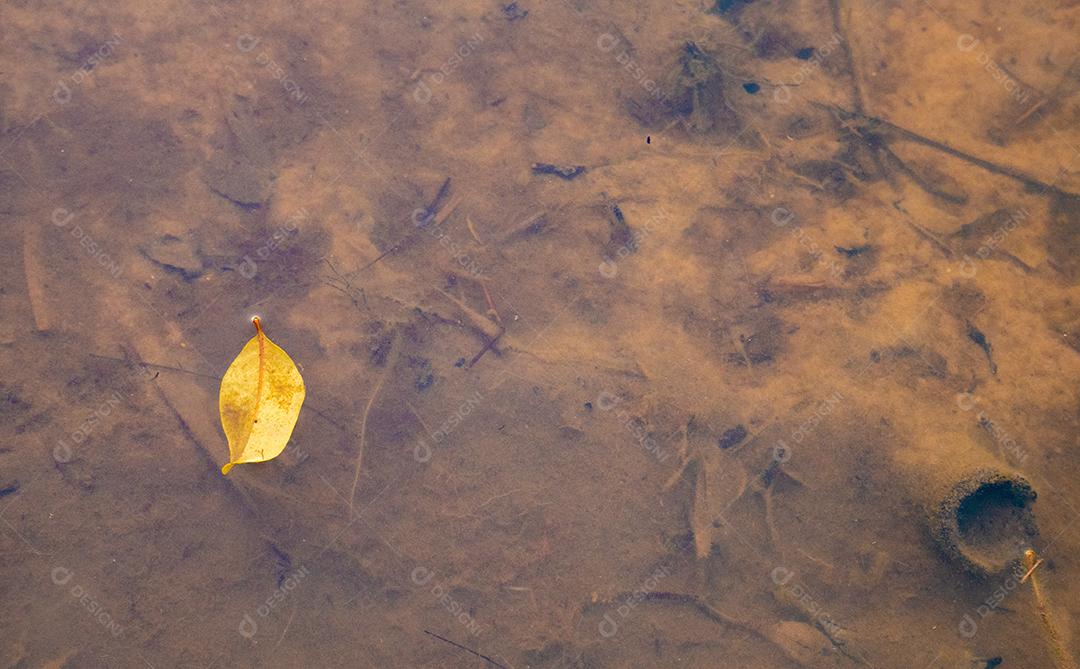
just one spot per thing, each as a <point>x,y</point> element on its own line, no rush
<point>673,334</point>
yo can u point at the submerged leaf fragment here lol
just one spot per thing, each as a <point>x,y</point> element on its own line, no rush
<point>260,398</point>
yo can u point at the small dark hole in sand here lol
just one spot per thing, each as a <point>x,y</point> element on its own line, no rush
<point>991,520</point>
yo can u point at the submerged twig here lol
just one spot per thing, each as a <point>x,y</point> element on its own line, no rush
<point>464,648</point>
<point>363,427</point>
<point>533,224</point>
<point>849,57</point>
<point>923,232</point>
<point>287,626</point>
<point>875,123</point>
<point>487,347</point>
<point>695,601</point>
<point>35,285</point>
<point>479,321</point>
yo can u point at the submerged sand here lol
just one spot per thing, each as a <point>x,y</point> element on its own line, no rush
<point>629,331</point>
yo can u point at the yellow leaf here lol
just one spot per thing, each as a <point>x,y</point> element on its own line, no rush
<point>260,399</point>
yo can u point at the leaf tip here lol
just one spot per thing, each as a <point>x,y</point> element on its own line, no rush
<point>227,467</point>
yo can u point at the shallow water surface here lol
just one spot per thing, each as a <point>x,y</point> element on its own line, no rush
<point>657,334</point>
